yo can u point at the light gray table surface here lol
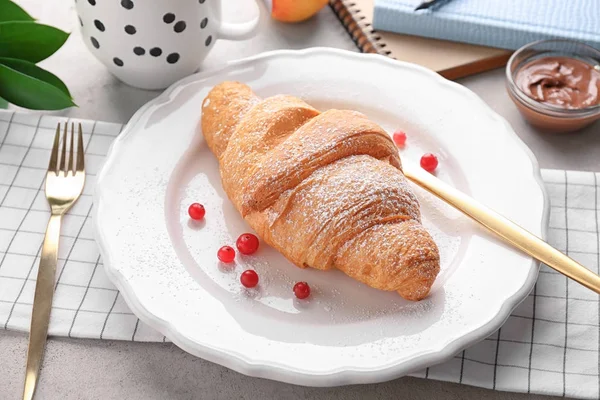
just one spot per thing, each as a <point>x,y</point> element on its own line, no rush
<point>101,369</point>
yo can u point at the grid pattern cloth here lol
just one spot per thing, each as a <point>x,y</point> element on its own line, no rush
<point>550,344</point>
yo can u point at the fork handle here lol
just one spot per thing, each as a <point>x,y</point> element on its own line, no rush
<point>42,304</point>
<point>506,229</point>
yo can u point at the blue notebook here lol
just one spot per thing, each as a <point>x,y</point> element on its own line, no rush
<point>507,24</point>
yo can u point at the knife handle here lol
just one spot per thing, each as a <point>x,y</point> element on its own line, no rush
<point>505,229</point>
<point>42,304</point>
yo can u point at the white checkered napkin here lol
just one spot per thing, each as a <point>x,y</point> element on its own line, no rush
<point>86,304</point>
<point>550,344</point>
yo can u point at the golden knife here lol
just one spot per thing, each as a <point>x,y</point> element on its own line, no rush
<point>504,228</point>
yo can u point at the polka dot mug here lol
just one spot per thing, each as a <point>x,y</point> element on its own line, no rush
<point>152,44</point>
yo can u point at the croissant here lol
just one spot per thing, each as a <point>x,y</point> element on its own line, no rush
<point>325,189</point>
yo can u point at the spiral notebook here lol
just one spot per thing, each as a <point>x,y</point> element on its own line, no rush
<point>450,59</point>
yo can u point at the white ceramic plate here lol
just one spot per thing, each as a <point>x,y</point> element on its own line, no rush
<point>166,267</point>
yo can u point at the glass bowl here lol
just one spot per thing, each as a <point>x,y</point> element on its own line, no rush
<point>550,117</point>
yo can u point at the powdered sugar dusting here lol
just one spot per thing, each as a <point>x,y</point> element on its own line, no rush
<point>311,184</point>
<point>337,202</point>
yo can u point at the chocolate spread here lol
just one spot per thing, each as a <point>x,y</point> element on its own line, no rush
<point>560,81</point>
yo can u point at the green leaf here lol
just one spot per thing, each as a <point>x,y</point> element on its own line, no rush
<point>29,40</point>
<point>10,11</point>
<point>32,70</point>
<point>3,103</point>
<point>30,92</point>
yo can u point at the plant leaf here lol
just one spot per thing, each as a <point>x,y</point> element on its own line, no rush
<point>10,11</point>
<point>3,103</point>
<point>29,41</point>
<point>30,92</point>
<point>32,70</point>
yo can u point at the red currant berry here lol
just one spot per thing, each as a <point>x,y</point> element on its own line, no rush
<point>247,243</point>
<point>399,138</point>
<point>249,278</point>
<point>302,290</point>
<point>226,254</point>
<point>429,162</point>
<point>196,211</point>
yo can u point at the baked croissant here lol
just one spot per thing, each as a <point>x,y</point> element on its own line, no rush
<point>325,189</point>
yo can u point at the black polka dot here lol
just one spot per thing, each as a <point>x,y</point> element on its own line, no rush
<point>139,51</point>
<point>80,21</point>
<point>99,25</point>
<point>173,58</point>
<point>179,27</point>
<point>92,2</point>
<point>128,4</point>
<point>208,40</point>
<point>95,42</point>
<point>169,18</point>
<point>130,29</point>
<point>204,23</point>
<point>155,51</point>
<point>118,62</point>
<point>201,1</point>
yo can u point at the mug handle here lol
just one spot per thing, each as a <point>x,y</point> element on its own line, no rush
<point>239,30</point>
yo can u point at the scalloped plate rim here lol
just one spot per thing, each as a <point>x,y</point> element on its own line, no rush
<point>284,374</point>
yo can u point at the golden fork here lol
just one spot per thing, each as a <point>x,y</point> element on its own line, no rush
<point>64,184</point>
<point>504,228</point>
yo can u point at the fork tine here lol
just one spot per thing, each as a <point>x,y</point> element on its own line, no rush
<point>63,154</point>
<point>71,155</point>
<point>54,153</point>
<point>80,151</point>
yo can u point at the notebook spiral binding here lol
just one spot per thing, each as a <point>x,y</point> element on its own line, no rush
<point>362,33</point>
